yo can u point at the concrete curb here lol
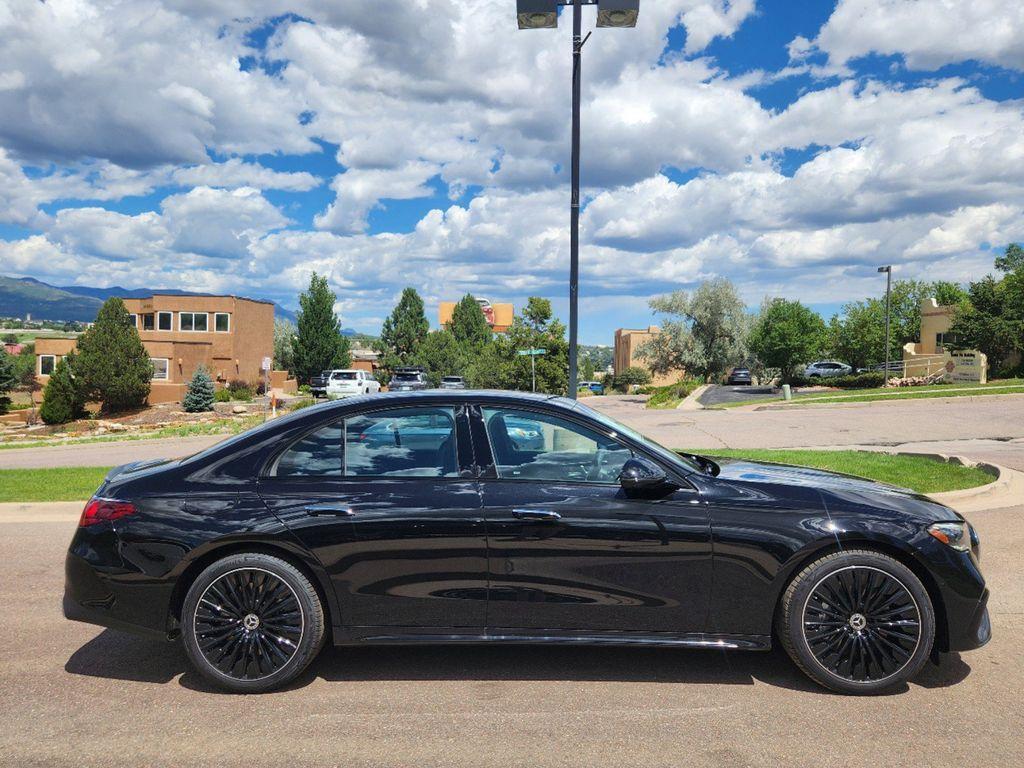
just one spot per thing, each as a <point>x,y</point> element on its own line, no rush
<point>691,401</point>
<point>1005,490</point>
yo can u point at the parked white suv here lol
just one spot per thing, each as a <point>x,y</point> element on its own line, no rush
<point>349,382</point>
<point>825,368</point>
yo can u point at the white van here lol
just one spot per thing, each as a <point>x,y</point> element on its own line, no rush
<point>349,382</point>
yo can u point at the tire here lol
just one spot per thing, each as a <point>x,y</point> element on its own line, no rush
<point>251,623</point>
<point>857,622</point>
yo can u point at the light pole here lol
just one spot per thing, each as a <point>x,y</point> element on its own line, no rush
<point>888,292</point>
<point>543,14</point>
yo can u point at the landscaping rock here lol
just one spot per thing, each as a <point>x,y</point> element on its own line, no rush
<point>239,409</point>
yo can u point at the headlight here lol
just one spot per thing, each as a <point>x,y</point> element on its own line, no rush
<point>955,534</point>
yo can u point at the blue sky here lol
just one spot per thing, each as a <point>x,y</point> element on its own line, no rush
<point>789,146</point>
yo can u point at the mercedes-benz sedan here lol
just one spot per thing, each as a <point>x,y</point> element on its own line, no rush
<point>350,522</point>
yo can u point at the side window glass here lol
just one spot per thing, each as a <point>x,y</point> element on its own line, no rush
<point>535,446</point>
<point>408,442</point>
<point>317,454</point>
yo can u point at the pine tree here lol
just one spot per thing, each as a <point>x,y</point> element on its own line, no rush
<point>403,332</point>
<point>199,395</point>
<point>468,324</point>
<point>318,345</point>
<point>8,379</point>
<point>62,398</point>
<point>113,367</point>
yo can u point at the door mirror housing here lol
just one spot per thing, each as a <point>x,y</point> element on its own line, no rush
<point>641,474</point>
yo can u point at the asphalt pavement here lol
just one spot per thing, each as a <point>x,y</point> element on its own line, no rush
<point>76,695</point>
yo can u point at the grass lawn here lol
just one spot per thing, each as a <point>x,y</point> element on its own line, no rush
<point>51,484</point>
<point>918,473</point>
<point>964,389</point>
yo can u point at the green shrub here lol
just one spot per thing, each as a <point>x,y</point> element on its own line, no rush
<point>672,393</point>
<point>240,390</point>
<point>868,380</point>
<point>222,396</point>
<point>631,377</point>
<point>62,398</point>
<point>200,393</point>
<point>304,403</point>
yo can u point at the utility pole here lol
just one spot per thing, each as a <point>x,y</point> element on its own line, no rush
<point>888,294</point>
<point>574,205</point>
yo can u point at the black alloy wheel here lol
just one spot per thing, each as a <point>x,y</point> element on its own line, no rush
<point>857,622</point>
<point>252,622</point>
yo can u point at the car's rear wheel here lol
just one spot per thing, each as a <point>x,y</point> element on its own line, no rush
<point>251,622</point>
<point>857,622</point>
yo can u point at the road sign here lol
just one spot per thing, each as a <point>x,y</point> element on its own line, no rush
<point>531,352</point>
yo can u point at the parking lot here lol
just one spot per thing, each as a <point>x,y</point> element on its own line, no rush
<point>77,695</point>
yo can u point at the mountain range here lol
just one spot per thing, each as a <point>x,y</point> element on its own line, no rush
<point>26,295</point>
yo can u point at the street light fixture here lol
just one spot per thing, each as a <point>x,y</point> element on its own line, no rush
<point>888,292</point>
<point>543,14</point>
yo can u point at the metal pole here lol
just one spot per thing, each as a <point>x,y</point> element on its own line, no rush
<point>533,371</point>
<point>888,290</point>
<point>574,215</point>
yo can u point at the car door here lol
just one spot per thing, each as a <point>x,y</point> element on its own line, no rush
<point>570,550</point>
<point>393,515</point>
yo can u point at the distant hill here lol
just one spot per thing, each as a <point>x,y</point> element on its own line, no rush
<point>19,296</point>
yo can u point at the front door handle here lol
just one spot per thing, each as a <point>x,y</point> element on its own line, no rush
<point>327,510</point>
<point>536,514</point>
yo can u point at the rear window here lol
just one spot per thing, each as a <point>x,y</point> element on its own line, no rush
<point>407,377</point>
<point>345,376</point>
<point>452,379</point>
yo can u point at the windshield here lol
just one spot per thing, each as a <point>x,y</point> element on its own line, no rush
<point>345,376</point>
<point>652,445</point>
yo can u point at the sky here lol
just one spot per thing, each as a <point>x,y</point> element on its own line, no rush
<point>234,146</point>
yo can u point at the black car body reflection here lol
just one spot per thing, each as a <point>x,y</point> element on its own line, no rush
<point>461,516</point>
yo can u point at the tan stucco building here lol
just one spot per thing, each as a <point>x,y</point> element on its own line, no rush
<point>929,356</point>
<point>229,335</point>
<point>626,355</point>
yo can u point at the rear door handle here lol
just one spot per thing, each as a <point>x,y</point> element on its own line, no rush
<point>327,510</point>
<point>536,514</point>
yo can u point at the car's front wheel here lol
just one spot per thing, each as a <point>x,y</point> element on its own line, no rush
<point>252,622</point>
<point>857,622</point>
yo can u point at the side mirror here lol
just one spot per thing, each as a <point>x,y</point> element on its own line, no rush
<point>640,474</point>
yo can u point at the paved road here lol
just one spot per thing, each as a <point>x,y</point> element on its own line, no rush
<point>718,394</point>
<point>75,695</point>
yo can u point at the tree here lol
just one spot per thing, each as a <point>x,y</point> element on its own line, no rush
<point>112,366</point>
<point>707,334</point>
<point>318,345</point>
<point>284,338</point>
<point>786,335</point>
<point>1012,260</point>
<point>440,355</point>
<point>200,392</point>
<point>535,328</point>
<point>62,398</point>
<point>632,376</point>
<point>468,324</point>
<point>8,379</point>
<point>10,338</point>
<point>403,331</point>
<point>993,319</point>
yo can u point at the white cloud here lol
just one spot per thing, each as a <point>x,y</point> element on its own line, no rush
<point>219,223</point>
<point>927,33</point>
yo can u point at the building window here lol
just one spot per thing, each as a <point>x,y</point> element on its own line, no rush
<point>133,319</point>
<point>161,367</point>
<point>164,321</point>
<point>148,322</point>
<point>46,364</point>
<point>222,322</point>
<point>192,321</point>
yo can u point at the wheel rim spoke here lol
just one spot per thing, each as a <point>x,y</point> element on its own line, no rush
<point>248,624</point>
<point>861,624</point>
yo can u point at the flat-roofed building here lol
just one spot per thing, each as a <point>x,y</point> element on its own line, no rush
<point>627,353</point>
<point>229,335</point>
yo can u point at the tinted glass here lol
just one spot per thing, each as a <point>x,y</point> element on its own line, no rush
<point>407,442</point>
<point>407,377</point>
<point>317,454</point>
<point>147,322</point>
<point>222,321</point>
<point>345,376</point>
<point>163,320</point>
<point>534,446</point>
<point>199,322</point>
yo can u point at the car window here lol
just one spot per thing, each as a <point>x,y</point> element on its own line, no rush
<point>536,446</point>
<point>345,376</point>
<point>408,442</point>
<point>316,454</point>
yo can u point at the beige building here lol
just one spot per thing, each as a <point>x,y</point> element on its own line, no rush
<point>929,356</point>
<point>626,355</point>
<point>231,336</point>
<point>498,316</point>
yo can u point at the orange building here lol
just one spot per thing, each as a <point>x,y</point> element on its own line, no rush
<point>231,336</point>
<point>498,316</point>
<point>626,355</point>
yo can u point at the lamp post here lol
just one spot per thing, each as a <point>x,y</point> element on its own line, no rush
<point>543,14</point>
<point>888,292</point>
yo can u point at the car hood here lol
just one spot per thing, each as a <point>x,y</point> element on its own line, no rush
<point>837,491</point>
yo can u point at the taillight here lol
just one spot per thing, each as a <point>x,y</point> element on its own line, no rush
<point>100,510</point>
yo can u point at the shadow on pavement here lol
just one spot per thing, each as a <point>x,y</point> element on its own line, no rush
<point>118,656</point>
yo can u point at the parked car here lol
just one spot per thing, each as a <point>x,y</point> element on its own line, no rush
<point>740,376</point>
<point>350,382</point>
<point>408,380</point>
<point>318,384</point>
<point>453,382</point>
<point>824,369</point>
<point>259,550</point>
<point>594,386</point>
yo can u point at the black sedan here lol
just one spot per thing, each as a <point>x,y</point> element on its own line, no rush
<point>259,550</point>
<point>740,376</point>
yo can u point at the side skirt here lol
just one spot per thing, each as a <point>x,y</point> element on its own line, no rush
<point>429,636</point>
